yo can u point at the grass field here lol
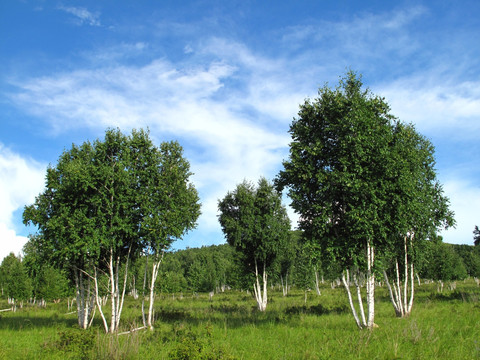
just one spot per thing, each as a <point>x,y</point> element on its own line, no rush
<point>442,326</point>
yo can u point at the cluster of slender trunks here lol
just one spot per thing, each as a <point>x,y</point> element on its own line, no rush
<point>88,297</point>
<point>401,300</point>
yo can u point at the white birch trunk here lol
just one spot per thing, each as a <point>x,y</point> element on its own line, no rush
<point>113,293</point>
<point>317,285</point>
<point>405,276</point>
<point>122,299</point>
<point>155,268</point>
<point>346,284</point>
<point>401,303</point>
<point>393,296</point>
<point>370,286</point>
<point>359,299</point>
<point>143,292</point>
<point>412,290</point>
<point>399,290</point>
<point>84,298</point>
<point>362,321</point>
<point>260,296</point>
<point>99,302</point>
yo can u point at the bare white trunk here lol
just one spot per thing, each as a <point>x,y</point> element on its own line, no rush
<point>85,298</point>
<point>317,286</point>
<point>412,290</point>
<point>113,293</point>
<point>260,296</point>
<point>370,286</point>
<point>362,321</point>
<point>99,302</point>
<point>405,276</point>
<point>346,284</point>
<point>150,319</point>
<point>399,290</point>
<point>120,304</point>
<point>359,298</point>
<point>393,296</point>
<point>143,292</point>
<point>155,268</point>
<point>401,303</point>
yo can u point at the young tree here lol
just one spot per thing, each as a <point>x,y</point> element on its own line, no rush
<point>335,174</point>
<point>48,283</point>
<point>104,203</point>
<point>255,222</point>
<point>65,215</point>
<point>476,236</point>
<point>348,178</point>
<point>14,280</point>
<point>442,262</point>
<point>169,202</point>
<point>419,208</point>
<point>285,261</point>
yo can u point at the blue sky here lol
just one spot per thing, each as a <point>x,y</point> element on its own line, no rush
<point>225,79</point>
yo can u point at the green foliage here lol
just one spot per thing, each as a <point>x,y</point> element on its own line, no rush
<point>74,343</point>
<point>304,269</point>
<point>470,255</point>
<point>14,279</point>
<point>48,283</point>
<point>336,169</point>
<point>194,346</point>
<point>442,262</point>
<point>476,236</point>
<point>199,269</point>
<point>110,200</point>
<point>356,174</point>
<point>255,222</point>
<point>115,197</point>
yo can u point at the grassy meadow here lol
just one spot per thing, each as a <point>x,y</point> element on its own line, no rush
<point>442,326</point>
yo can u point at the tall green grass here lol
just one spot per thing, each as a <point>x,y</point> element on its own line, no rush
<point>442,326</point>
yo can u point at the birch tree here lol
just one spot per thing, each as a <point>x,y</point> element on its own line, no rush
<point>335,177</point>
<point>96,213</point>
<point>14,280</point>
<point>255,222</point>
<point>171,205</point>
<point>419,209</point>
<point>65,218</point>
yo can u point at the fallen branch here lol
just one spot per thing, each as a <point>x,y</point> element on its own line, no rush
<point>6,310</point>
<point>131,331</point>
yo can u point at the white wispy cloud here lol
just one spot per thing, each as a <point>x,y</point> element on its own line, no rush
<point>21,179</point>
<point>366,35</point>
<point>436,103</point>
<point>227,138</point>
<point>82,15</point>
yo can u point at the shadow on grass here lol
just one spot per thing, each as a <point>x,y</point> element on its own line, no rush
<point>464,296</point>
<point>316,310</point>
<point>242,315</point>
<point>24,321</point>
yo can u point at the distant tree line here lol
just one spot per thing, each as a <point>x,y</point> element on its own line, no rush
<point>218,268</point>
